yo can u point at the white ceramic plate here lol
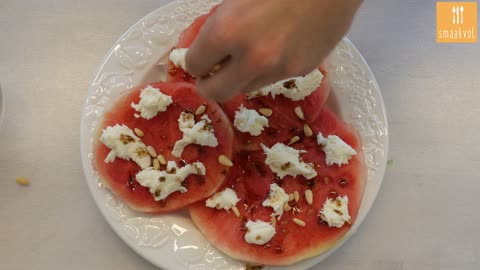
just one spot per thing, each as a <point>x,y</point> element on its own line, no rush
<point>172,241</point>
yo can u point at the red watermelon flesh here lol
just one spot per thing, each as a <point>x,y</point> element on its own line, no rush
<point>283,123</point>
<point>176,74</point>
<point>251,178</point>
<point>162,132</point>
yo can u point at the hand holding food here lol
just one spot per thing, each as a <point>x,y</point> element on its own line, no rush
<point>260,42</point>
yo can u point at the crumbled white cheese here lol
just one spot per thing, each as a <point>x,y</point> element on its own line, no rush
<point>200,133</point>
<point>152,101</point>
<point>276,199</point>
<point>296,88</point>
<point>285,160</point>
<point>336,150</point>
<point>163,183</point>
<point>125,145</point>
<point>225,199</point>
<point>249,121</point>
<point>335,211</point>
<point>178,56</point>
<point>259,232</point>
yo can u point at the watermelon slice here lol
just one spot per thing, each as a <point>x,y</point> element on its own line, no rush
<point>251,178</point>
<point>176,74</point>
<point>284,123</point>
<point>161,132</point>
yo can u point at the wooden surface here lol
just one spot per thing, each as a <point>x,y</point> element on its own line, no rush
<point>426,216</point>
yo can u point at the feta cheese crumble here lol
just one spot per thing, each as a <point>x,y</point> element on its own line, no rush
<point>163,183</point>
<point>152,101</point>
<point>249,121</point>
<point>276,199</point>
<point>125,145</point>
<point>178,56</point>
<point>336,150</point>
<point>225,199</point>
<point>284,160</point>
<point>296,88</point>
<point>200,133</point>
<point>335,211</point>
<point>259,232</point>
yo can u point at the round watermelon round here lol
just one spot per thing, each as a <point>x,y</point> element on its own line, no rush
<point>251,178</point>
<point>161,132</point>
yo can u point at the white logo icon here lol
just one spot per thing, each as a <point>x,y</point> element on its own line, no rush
<point>457,14</point>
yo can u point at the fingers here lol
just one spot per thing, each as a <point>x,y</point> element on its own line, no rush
<point>209,48</point>
<point>227,82</point>
<point>260,82</point>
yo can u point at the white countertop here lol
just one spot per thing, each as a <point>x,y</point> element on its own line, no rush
<point>426,216</point>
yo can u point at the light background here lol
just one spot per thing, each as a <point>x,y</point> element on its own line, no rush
<point>426,216</point>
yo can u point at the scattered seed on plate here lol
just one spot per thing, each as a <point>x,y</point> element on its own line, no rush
<point>200,110</point>
<point>225,161</point>
<point>266,112</point>
<point>151,151</point>
<point>287,207</point>
<point>296,195</point>
<point>307,130</point>
<point>156,164</point>
<point>161,159</point>
<point>293,140</point>
<point>309,196</point>
<point>299,113</point>
<point>299,222</point>
<point>22,181</point>
<point>235,211</point>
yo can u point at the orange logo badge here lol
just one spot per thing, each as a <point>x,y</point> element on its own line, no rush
<point>457,22</point>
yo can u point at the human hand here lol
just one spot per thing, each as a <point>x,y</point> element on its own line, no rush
<point>260,42</point>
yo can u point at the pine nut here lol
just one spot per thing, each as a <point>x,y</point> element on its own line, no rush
<point>309,196</point>
<point>287,207</point>
<point>299,113</point>
<point>161,159</point>
<point>307,130</point>
<point>296,195</point>
<point>138,132</point>
<point>273,221</point>
<point>291,197</point>
<point>200,110</point>
<point>266,112</point>
<point>151,151</point>
<point>235,211</point>
<point>293,140</point>
<point>225,161</point>
<point>299,222</point>
<point>22,181</point>
<point>156,164</point>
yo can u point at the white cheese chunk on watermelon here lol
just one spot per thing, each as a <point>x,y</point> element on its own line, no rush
<point>225,199</point>
<point>152,101</point>
<point>249,121</point>
<point>276,199</point>
<point>296,88</point>
<point>163,183</point>
<point>178,56</point>
<point>336,150</point>
<point>259,232</point>
<point>285,160</point>
<point>335,211</point>
<point>126,145</point>
<point>200,133</point>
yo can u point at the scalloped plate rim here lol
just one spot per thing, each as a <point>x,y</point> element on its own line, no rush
<point>140,250</point>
